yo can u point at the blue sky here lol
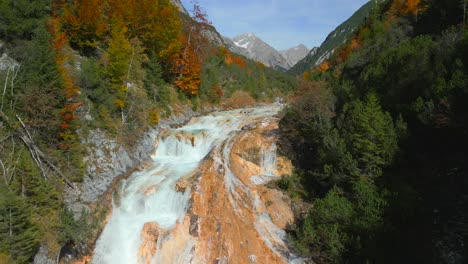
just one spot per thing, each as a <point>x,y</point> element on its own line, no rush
<point>281,23</point>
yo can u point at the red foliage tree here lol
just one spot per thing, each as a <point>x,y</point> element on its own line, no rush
<point>68,124</point>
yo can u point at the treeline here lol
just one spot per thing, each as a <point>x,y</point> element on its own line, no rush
<point>378,133</point>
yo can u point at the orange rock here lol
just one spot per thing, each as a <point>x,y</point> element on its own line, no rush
<point>149,237</point>
<point>151,190</point>
<point>82,260</point>
<point>227,213</point>
<point>285,166</point>
<point>182,185</point>
<point>278,206</point>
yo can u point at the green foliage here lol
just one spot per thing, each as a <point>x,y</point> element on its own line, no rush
<point>75,231</point>
<point>19,237</point>
<point>36,92</point>
<point>221,79</point>
<point>20,18</point>
<point>401,125</point>
<point>336,224</point>
<point>322,233</point>
<point>370,135</point>
<point>292,185</point>
<point>369,205</point>
<point>91,74</point>
<point>155,85</point>
<point>336,38</point>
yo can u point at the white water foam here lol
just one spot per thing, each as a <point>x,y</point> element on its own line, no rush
<point>178,156</point>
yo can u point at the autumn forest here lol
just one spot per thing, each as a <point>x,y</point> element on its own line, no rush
<point>377,132</point>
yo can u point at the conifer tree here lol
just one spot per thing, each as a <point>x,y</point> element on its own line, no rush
<point>18,235</point>
<point>371,135</point>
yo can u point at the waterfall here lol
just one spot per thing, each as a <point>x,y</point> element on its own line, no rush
<point>269,166</point>
<point>269,160</point>
<point>151,196</point>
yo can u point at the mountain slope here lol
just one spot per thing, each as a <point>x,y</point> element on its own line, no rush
<point>411,67</point>
<point>334,39</point>
<point>256,49</point>
<point>294,55</point>
<point>179,6</point>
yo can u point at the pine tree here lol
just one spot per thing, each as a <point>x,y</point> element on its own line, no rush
<point>20,18</point>
<point>154,83</point>
<point>323,233</point>
<point>18,235</point>
<point>371,135</point>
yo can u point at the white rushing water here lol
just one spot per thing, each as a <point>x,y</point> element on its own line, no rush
<point>150,195</point>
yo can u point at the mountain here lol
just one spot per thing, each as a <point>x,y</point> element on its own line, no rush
<point>294,55</point>
<point>256,49</point>
<point>334,39</point>
<point>231,46</point>
<point>180,6</point>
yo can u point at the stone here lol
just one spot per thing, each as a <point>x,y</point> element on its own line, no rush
<point>194,225</point>
<point>151,190</point>
<point>249,127</point>
<point>149,239</point>
<point>42,256</point>
<point>182,185</point>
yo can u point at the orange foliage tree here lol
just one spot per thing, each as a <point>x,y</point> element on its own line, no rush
<point>187,67</point>
<point>69,122</point>
<point>156,23</point>
<point>322,67</point>
<point>400,8</point>
<point>85,23</point>
<point>187,64</point>
<point>231,59</point>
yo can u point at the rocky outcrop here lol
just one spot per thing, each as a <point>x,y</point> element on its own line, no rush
<point>149,238</point>
<point>107,159</point>
<point>213,36</point>
<point>231,218</point>
<point>42,256</point>
<point>239,221</point>
<point>180,6</point>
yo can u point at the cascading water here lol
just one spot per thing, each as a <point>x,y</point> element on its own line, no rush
<point>150,195</point>
<point>269,164</point>
<point>269,160</point>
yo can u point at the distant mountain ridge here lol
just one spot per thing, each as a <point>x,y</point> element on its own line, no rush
<point>252,47</point>
<point>334,39</point>
<point>256,49</point>
<point>295,54</point>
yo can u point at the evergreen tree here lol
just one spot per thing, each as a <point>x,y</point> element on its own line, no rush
<point>18,235</point>
<point>154,83</point>
<point>20,18</point>
<point>370,135</point>
<point>322,234</point>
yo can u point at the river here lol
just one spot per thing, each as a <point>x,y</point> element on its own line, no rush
<point>152,195</point>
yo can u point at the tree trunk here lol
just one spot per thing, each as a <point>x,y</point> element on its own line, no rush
<point>5,88</point>
<point>464,12</point>
<point>10,224</point>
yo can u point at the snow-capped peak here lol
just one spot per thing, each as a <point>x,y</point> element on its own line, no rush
<point>242,43</point>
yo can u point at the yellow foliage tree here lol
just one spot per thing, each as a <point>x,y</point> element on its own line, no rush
<point>122,64</point>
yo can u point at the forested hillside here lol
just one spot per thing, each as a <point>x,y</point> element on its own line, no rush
<point>334,40</point>
<point>379,139</point>
<point>69,67</point>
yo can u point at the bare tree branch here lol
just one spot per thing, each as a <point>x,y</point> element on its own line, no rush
<point>39,156</point>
